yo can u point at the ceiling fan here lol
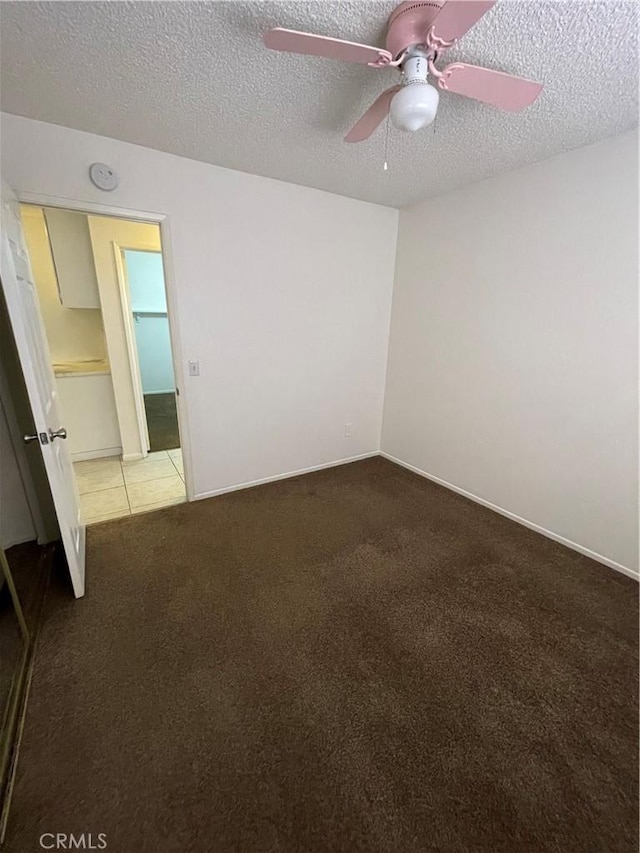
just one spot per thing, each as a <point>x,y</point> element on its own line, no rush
<point>419,31</point>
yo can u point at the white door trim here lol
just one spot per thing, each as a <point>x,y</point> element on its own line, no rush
<point>95,208</point>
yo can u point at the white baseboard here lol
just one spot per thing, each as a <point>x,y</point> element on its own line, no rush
<point>133,457</point>
<point>96,454</point>
<point>249,485</point>
<point>538,529</point>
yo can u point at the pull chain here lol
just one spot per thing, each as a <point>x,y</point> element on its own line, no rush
<point>386,146</point>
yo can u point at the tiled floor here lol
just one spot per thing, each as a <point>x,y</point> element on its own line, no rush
<point>110,488</point>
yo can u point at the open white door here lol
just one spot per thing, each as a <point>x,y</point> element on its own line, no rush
<point>24,313</point>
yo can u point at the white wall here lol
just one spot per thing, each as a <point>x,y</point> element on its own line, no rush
<point>153,344</point>
<point>283,295</point>
<point>513,353</point>
<point>145,277</point>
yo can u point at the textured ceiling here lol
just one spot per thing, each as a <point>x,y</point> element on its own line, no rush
<point>194,79</point>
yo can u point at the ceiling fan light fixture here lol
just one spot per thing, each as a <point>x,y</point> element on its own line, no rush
<point>414,106</point>
<point>419,32</point>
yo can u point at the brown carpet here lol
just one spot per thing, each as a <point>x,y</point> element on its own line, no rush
<point>353,660</point>
<point>162,421</point>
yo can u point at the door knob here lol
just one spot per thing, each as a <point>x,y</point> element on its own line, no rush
<point>28,438</point>
<point>57,433</point>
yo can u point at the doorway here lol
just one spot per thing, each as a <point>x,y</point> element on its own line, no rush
<point>103,303</point>
<point>148,299</point>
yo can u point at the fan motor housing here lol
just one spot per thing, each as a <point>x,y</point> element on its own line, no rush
<point>409,24</point>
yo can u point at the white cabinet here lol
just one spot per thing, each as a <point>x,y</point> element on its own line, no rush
<point>73,258</point>
<point>89,414</point>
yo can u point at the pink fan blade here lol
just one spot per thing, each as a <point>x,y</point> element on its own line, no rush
<point>372,118</point>
<point>310,45</point>
<point>457,17</point>
<point>493,87</point>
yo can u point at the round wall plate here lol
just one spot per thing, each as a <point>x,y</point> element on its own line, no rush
<point>103,176</point>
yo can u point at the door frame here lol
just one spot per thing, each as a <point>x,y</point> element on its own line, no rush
<point>130,335</point>
<point>132,347</point>
<point>162,220</point>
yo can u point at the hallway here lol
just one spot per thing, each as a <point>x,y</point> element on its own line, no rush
<point>110,488</point>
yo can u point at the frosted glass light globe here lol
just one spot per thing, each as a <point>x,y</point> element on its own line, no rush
<point>414,106</point>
